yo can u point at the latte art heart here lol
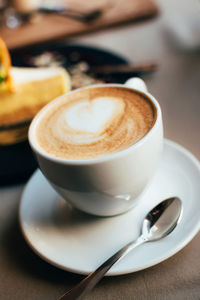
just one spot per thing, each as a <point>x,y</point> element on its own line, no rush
<point>92,116</point>
<point>94,122</point>
<point>86,121</point>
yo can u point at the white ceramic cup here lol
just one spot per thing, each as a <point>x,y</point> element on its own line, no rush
<point>111,184</point>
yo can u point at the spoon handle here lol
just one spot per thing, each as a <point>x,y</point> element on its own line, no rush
<point>87,284</point>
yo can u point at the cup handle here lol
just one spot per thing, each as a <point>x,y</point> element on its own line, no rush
<point>137,84</point>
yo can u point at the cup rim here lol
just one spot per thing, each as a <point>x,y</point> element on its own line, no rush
<point>104,158</point>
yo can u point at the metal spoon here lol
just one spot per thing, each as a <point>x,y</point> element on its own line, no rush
<point>14,19</point>
<point>158,223</point>
<point>85,17</point>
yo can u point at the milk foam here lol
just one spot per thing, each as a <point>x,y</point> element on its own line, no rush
<point>85,121</point>
<point>91,116</point>
<point>94,122</point>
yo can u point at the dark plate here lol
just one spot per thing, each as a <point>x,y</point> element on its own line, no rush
<point>17,161</point>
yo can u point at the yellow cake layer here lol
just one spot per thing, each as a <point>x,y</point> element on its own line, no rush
<point>13,135</point>
<point>33,88</point>
<point>30,96</point>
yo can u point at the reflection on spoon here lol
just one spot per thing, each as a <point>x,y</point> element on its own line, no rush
<point>158,223</point>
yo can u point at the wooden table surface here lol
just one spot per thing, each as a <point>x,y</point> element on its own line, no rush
<point>176,85</point>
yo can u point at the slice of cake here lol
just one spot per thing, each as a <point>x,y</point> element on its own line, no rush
<point>33,88</point>
<point>23,92</point>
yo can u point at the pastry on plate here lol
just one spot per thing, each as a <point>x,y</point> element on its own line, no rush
<point>23,92</point>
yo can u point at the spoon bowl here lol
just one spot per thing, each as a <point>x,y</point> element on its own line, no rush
<point>162,219</point>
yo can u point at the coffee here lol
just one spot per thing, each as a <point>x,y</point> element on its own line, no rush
<point>94,122</point>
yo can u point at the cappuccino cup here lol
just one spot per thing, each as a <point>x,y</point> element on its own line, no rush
<point>99,146</point>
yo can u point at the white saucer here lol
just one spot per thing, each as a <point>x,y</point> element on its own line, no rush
<point>79,243</point>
